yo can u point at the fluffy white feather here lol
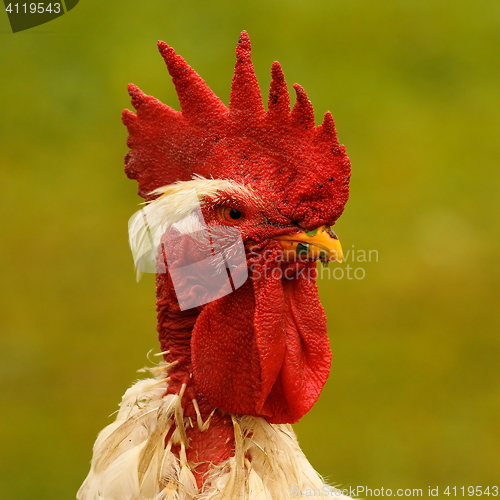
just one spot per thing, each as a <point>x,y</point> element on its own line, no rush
<point>131,461</point>
<point>178,206</point>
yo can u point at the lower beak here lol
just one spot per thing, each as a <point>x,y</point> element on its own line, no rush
<point>319,244</point>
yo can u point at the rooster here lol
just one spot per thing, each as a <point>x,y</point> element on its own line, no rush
<point>252,195</point>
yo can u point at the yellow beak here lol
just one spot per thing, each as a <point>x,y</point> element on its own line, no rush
<point>320,244</point>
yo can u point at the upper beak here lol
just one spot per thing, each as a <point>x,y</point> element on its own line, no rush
<point>319,244</point>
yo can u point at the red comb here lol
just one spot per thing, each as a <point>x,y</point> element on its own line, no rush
<point>280,151</point>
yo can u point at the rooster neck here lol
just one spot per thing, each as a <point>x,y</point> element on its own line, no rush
<point>174,332</point>
<point>209,431</point>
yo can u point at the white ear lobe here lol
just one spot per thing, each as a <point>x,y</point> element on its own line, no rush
<point>180,211</point>
<point>143,242</point>
<point>178,206</point>
<point>191,223</point>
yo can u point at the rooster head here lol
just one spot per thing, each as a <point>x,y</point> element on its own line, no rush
<point>277,182</point>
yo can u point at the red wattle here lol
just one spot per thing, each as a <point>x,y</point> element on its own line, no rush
<point>263,350</point>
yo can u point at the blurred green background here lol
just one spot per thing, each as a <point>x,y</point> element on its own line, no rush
<point>413,399</point>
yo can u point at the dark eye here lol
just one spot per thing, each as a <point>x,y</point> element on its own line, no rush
<point>234,214</point>
<point>230,214</point>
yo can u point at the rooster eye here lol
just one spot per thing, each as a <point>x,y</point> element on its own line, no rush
<point>234,214</point>
<point>230,214</point>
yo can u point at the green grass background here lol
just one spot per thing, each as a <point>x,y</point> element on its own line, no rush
<point>413,399</point>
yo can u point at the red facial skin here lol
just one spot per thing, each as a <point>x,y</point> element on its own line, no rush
<point>262,350</point>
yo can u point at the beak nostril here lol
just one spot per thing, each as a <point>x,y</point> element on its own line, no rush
<point>332,233</point>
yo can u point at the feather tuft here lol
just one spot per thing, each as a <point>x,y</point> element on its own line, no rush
<point>132,461</point>
<point>176,206</point>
